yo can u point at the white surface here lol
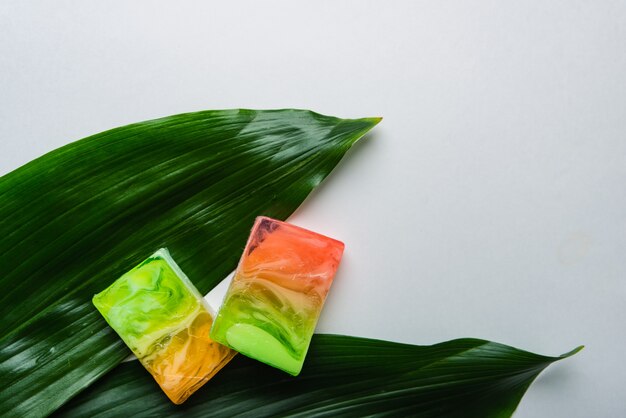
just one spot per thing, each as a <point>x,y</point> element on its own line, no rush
<point>490,202</point>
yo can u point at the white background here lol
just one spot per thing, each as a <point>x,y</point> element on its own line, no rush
<point>489,203</point>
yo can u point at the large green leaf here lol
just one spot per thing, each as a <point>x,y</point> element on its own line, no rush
<point>75,219</point>
<point>342,376</point>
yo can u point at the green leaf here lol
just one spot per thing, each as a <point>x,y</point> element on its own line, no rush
<point>75,219</point>
<point>342,376</point>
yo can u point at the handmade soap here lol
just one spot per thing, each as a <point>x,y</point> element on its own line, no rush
<point>274,300</point>
<point>165,321</point>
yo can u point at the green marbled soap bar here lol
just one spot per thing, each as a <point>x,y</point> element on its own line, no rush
<point>165,321</point>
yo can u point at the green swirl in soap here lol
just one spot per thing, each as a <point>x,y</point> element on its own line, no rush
<point>147,304</point>
<point>286,315</point>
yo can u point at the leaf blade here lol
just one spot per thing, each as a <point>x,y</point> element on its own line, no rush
<point>75,219</point>
<point>344,376</point>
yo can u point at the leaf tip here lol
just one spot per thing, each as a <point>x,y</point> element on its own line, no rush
<point>359,127</point>
<point>572,352</point>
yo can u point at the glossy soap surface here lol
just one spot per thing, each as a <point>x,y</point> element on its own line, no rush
<point>165,321</point>
<point>274,301</point>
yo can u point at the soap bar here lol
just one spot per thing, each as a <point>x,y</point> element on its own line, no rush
<point>273,303</point>
<point>165,321</point>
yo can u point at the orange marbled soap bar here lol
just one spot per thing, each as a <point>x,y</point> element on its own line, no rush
<point>165,321</point>
<point>274,301</point>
